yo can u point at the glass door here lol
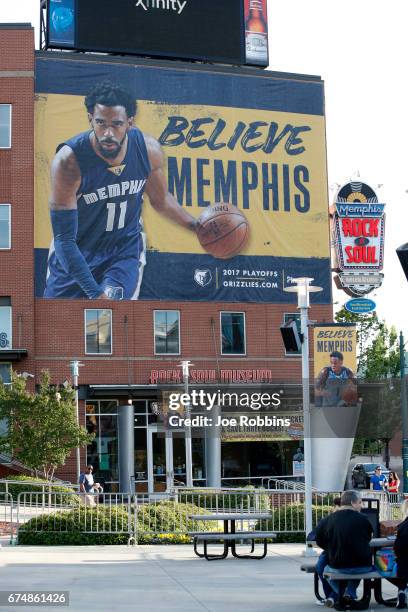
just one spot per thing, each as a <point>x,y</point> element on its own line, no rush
<point>160,460</point>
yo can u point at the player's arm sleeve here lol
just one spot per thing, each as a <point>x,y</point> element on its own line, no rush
<point>65,227</point>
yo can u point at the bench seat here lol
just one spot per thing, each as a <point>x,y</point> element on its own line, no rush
<point>364,576</point>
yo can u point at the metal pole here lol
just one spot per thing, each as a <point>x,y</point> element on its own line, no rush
<point>303,289</point>
<point>189,451</point>
<point>75,376</point>
<point>304,319</point>
<point>126,430</point>
<point>404,417</point>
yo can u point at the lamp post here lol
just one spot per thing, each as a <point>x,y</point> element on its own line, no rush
<point>75,365</point>
<point>303,288</point>
<point>185,365</point>
<point>404,416</point>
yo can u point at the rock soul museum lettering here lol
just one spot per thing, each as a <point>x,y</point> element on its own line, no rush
<point>284,186</point>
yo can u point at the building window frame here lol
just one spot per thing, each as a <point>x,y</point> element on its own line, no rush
<point>295,316</point>
<point>7,206</point>
<point>111,331</point>
<point>7,146</point>
<point>233,312</point>
<point>7,363</point>
<point>156,352</point>
<point>5,303</point>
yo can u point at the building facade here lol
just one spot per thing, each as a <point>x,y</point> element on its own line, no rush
<point>130,349</point>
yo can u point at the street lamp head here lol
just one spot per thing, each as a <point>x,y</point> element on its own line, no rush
<point>75,365</point>
<point>185,365</point>
<point>26,375</point>
<point>303,288</point>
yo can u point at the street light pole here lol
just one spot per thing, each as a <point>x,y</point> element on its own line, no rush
<point>303,288</point>
<point>404,416</point>
<point>75,365</point>
<point>189,453</point>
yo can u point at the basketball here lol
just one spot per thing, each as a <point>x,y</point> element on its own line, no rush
<point>349,394</point>
<point>223,230</point>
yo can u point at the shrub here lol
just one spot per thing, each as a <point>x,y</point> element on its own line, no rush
<point>289,521</point>
<point>250,499</point>
<point>162,523</point>
<point>58,498</point>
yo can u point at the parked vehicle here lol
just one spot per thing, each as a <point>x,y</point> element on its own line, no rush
<point>362,472</point>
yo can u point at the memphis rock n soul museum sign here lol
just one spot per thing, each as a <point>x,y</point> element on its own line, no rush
<point>358,223</point>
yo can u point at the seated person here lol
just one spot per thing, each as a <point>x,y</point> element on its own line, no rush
<point>322,560</point>
<point>401,554</point>
<point>345,535</point>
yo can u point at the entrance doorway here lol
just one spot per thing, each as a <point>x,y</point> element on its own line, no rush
<point>166,452</point>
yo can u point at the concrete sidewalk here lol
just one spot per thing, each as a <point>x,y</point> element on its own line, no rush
<point>162,578</point>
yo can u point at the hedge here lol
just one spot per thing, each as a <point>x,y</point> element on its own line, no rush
<point>14,489</point>
<point>292,515</point>
<point>69,528</point>
<point>249,499</point>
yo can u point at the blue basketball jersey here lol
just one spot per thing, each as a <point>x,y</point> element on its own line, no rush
<point>109,202</point>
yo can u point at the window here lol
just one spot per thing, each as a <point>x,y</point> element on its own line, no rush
<point>5,373</point>
<point>98,331</point>
<point>292,316</point>
<point>5,126</point>
<point>167,332</point>
<point>5,324</point>
<point>102,453</point>
<point>233,333</point>
<point>5,226</point>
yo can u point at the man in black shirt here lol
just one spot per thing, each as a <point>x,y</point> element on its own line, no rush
<point>345,536</point>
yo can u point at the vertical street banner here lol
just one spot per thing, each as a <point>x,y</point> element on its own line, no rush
<point>219,192</point>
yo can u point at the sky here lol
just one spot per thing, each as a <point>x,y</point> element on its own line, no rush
<point>358,47</point>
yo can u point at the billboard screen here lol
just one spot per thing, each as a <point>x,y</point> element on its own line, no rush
<point>190,29</point>
<point>125,201</point>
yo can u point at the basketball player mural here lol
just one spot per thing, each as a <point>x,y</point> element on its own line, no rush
<point>98,179</point>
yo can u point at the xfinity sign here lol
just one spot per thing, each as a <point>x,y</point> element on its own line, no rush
<point>167,5</point>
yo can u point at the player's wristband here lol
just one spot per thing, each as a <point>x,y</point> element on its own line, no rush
<point>65,227</point>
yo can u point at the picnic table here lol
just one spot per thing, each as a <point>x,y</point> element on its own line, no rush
<point>371,580</point>
<point>229,536</point>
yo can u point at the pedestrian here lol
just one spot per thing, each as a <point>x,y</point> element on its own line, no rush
<point>393,482</point>
<point>345,536</point>
<point>88,487</point>
<point>98,179</point>
<point>378,481</point>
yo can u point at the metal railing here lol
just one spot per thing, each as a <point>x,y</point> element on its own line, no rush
<point>8,524</point>
<point>68,513</point>
<point>153,517</point>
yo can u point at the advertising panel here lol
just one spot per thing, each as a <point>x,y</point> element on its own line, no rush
<point>185,29</point>
<point>256,32</point>
<point>335,364</point>
<point>134,211</point>
<point>358,229</point>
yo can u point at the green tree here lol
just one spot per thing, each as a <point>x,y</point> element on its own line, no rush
<point>42,428</point>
